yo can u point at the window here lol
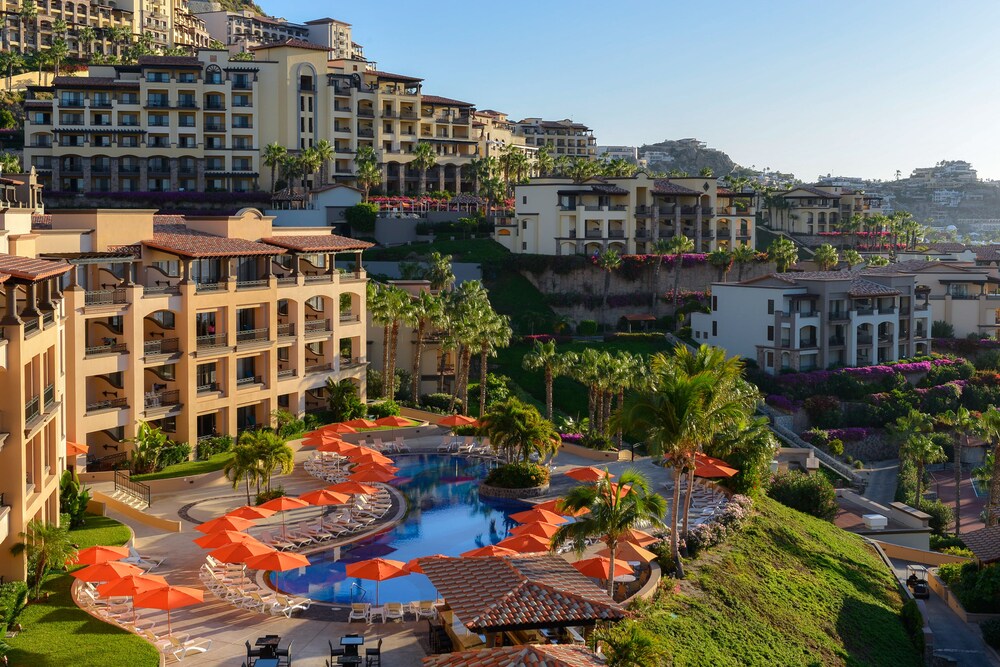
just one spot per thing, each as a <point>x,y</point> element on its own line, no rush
<point>524,199</point>
<point>770,333</point>
<point>770,306</point>
<point>715,328</point>
<point>715,303</point>
<point>524,224</point>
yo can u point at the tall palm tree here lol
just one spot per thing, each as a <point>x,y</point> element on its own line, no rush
<point>826,257</point>
<point>424,157</point>
<point>678,245</point>
<point>243,467</point>
<point>9,61</point>
<point>311,163</point>
<point>964,425</point>
<point>544,163</point>
<point>514,166</point>
<point>922,450</point>
<point>274,156</point>
<point>42,58</point>
<point>378,310</point>
<point>580,169</point>
<point>367,171</point>
<point>398,306</point>
<point>615,509</point>
<point>783,253</point>
<point>852,258</point>
<point>27,15</point>
<point>743,255</point>
<point>608,261</point>
<point>722,260</point>
<point>544,357</point>
<point>57,52</point>
<point>439,271</point>
<point>324,153</point>
<point>426,315</point>
<point>990,424</point>
<point>494,332</point>
<point>86,36</point>
<point>517,430</point>
<point>467,307</point>
<point>46,546</point>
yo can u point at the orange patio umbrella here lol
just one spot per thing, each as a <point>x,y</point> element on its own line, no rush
<point>352,488</point>
<point>320,439</point>
<point>377,570</point>
<point>129,585</point>
<point>526,544</point>
<point>238,552</point>
<point>536,515</point>
<point>278,561</point>
<point>620,490</point>
<point>223,537</point>
<point>538,529</point>
<point>380,467</point>
<point>457,420</point>
<point>167,598</point>
<point>74,449</point>
<point>109,571</point>
<point>336,428</point>
<point>251,512</point>
<point>599,567</point>
<point>489,550</point>
<point>99,554</point>
<point>283,504</point>
<point>224,523</point>
<point>369,456</point>
<point>394,421</point>
<point>630,552</point>
<point>359,423</point>
<point>588,474</point>
<point>556,505</point>
<point>413,565</point>
<point>325,497</point>
<point>337,447</point>
<point>713,470</point>
<point>370,476</point>
<point>639,537</point>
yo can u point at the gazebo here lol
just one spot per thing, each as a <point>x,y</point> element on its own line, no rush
<point>517,600</point>
<point>547,655</point>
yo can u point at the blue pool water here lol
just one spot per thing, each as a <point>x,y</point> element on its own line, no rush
<point>444,515</point>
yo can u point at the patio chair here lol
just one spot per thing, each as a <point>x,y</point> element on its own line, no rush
<point>145,562</point>
<point>287,605</point>
<point>445,444</point>
<point>180,650</point>
<point>359,611</point>
<point>284,655</point>
<point>373,656</point>
<point>393,612</point>
<point>425,609</point>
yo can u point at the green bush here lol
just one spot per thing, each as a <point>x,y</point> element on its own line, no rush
<point>835,447</point>
<point>361,217</point>
<point>913,621</point>
<point>978,589</point>
<point>941,515</point>
<point>587,328</point>
<point>439,402</point>
<point>13,600</point>
<point>941,542</point>
<point>991,632</point>
<point>497,390</point>
<point>906,484</point>
<point>824,411</point>
<point>598,442</point>
<point>73,498</point>
<point>209,447</point>
<point>265,496</point>
<point>812,494</point>
<point>173,454</point>
<point>468,429</point>
<point>521,475</point>
<point>942,329</point>
<point>386,408</point>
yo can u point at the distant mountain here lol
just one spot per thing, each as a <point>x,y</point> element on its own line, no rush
<point>687,155</point>
<point>239,6</point>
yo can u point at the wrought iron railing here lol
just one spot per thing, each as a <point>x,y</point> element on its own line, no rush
<point>211,341</point>
<point>104,405</point>
<point>104,297</point>
<point>138,490</point>
<point>49,395</point>
<point>251,335</point>
<point>162,399</point>
<point>250,379</point>
<point>162,346</point>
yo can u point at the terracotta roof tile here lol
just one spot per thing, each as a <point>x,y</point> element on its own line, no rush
<point>169,61</point>
<point>947,247</point>
<point>533,655</point>
<point>392,77</point>
<point>317,243</point>
<point>184,242</point>
<point>436,99</point>
<point>813,190</point>
<point>92,82</point>
<point>664,187</point>
<point>985,543</point>
<point>292,42</point>
<point>861,288</point>
<point>519,592</point>
<point>29,268</point>
<point>988,254</point>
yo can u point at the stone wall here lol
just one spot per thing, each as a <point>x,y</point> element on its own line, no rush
<point>513,494</point>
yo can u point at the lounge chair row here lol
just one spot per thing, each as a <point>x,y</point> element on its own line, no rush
<point>240,591</point>
<point>393,611</point>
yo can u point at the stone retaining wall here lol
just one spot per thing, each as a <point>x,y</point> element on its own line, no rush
<point>513,494</point>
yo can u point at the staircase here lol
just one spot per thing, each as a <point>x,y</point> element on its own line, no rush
<point>765,235</point>
<point>134,494</point>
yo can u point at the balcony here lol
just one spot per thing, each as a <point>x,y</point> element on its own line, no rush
<point>106,348</point>
<point>210,287</point>
<point>163,399</point>
<point>211,342</point>
<point>349,318</point>
<point>208,388</point>
<point>864,340</point>
<point>252,336</point>
<point>317,327</point>
<point>366,113</point>
<point>837,341</point>
<point>251,284</point>
<point>163,346</point>
<point>319,368</point>
<point>319,278</point>
<point>32,408</point>
<point>593,234</point>
<point>112,404</point>
<point>104,297</point>
<point>616,233</point>
<point>286,330</point>
<point>807,342</point>
<point>249,380</point>
<point>354,362</point>
<point>837,316</point>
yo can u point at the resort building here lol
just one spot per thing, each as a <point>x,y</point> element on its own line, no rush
<point>629,153</point>
<point>33,376</point>
<point>564,137</point>
<point>202,326</point>
<point>817,209</point>
<point>104,18</point>
<point>166,124</point>
<point>818,319</point>
<point>555,216</point>
<point>495,131</point>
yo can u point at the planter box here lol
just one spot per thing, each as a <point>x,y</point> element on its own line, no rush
<point>593,454</point>
<point>513,494</point>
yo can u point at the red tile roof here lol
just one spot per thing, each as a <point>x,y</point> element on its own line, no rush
<point>664,187</point>
<point>519,592</point>
<point>435,99</point>
<point>317,243</point>
<point>861,288</point>
<point>188,243</point>
<point>984,543</point>
<point>393,77</point>
<point>29,268</point>
<point>291,42</point>
<point>529,655</point>
<point>91,82</point>
<point>169,61</point>
<point>813,190</point>
<point>10,181</point>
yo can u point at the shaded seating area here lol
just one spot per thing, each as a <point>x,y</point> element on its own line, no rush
<point>530,599</point>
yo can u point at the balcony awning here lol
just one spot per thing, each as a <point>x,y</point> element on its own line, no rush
<point>74,449</point>
<point>30,269</point>
<point>128,254</point>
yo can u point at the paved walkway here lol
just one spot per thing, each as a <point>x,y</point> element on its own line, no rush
<point>229,628</point>
<point>882,478</point>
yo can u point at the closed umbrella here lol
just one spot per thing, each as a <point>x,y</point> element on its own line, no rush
<point>377,570</point>
<point>99,554</point>
<point>283,504</point>
<point>325,497</point>
<point>599,567</point>
<point>588,474</point>
<point>167,598</point>
<point>251,512</point>
<point>278,561</point>
<point>489,550</point>
<point>223,537</point>
<point>534,515</point>
<point>224,523</point>
<point>108,571</point>
<point>526,544</point>
<point>238,552</point>
<point>538,529</point>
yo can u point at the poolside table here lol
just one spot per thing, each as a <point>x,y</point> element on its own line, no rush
<point>266,662</point>
<point>351,644</point>
<point>349,660</point>
<point>268,647</point>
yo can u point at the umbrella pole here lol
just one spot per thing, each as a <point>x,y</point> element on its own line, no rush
<point>169,633</point>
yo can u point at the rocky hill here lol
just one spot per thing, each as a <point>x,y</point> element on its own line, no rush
<point>687,155</point>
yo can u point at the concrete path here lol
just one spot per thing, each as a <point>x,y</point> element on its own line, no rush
<point>972,506</point>
<point>882,478</point>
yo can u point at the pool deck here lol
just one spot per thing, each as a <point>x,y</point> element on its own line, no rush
<point>229,627</point>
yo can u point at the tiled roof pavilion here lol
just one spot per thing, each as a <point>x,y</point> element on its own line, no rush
<point>535,655</point>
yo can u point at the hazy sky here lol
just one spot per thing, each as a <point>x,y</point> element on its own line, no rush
<point>850,88</point>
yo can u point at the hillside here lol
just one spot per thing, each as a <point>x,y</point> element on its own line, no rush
<point>789,590</point>
<point>240,5</point>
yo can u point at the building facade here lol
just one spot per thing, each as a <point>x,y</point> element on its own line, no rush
<point>628,153</point>
<point>811,209</point>
<point>555,216</point>
<point>39,33</point>
<point>240,31</point>
<point>819,319</point>
<point>564,137</point>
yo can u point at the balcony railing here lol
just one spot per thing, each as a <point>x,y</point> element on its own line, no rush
<point>32,408</point>
<point>162,346</point>
<point>251,335</point>
<point>211,341</point>
<point>208,388</point>
<point>837,340</point>
<point>104,297</point>
<point>114,403</point>
<point>319,278</point>
<point>114,348</point>
<point>286,330</point>
<point>248,380</point>
<point>286,373</point>
<point>864,340</point>
<point>162,399</point>
<point>838,316</point>
<point>318,368</point>
<point>348,318</point>
<point>317,326</point>
<point>49,395</point>
<point>616,233</point>
<point>351,362</point>
<point>137,490</point>
<point>210,287</point>
<point>807,342</point>
<point>593,233</point>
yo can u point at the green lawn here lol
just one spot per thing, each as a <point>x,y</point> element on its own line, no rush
<point>513,295</point>
<point>58,633</point>
<point>789,590</point>
<point>188,468</point>
<point>468,250</point>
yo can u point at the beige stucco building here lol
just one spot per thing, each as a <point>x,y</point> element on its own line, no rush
<point>555,216</point>
<point>814,209</point>
<point>564,137</point>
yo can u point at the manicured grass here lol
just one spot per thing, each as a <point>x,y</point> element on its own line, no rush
<point>468,250</point>
<point>789,590</point>
<point>58,633</point>
<point>387,428</point>
<point>188,468</point>
<point>513,295</point>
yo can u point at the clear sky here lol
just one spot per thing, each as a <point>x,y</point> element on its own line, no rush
<point>850,88</point>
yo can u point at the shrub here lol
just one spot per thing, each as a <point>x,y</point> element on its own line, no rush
<point>959,551</point>
<point>468,429</point>
<point>835,447</point>
<point>173,454</point>
<point>361,217</point>
<point>73,498</point>
<point>587,328</point>
<point>906,485</point>
<point>941,514</point>
<point>386,408</point>
<point>991,632</point>
<point>978,589</point>
<point>913,621</point>
<point>824,411</point>
<point>942,329</point>
<point>13,600</point>
<point>812,494</point>
<point>942,542</point>
<point>439,402</point>
<point>497,390</point>
<point>265,496</point>
<point>520,475</point>
<point>597,441</point>
<point>209,447</point>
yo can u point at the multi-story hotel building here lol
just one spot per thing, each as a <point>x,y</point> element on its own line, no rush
<point>812,209</point>
<point>555,216</point>
<point>495,131</point>
<point>805,321</point>
<point>167,124</point>
<point>40,32</point>
<point>245,29</point>
<point>564,137</point>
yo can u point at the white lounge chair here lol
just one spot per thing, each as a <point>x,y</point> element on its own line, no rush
<point>393,612</point>
<point>145,562</point>
<point>180,649</point>
<point>359,611</point>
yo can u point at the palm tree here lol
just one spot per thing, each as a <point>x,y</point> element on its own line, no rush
<point>426,315</point>
<point>677,246</point>
<point>783,253</point>
<point>397,309</point>
<point>367,172</point>
<point>826,257</point>
<point>311,163</point>
<point>742,256</point>
<point>517,430</point>
<point>324,153</point>
<point>922,450</point>
<point>514,166</point>
<point>342,400</point>
<point>626,644</point>
<point>439,272</point>
<point>878,260</point>
<point>27,14</point>
<point>707,172</point>
<point>617,168</point>
<point>493,333</point>
<point>964,425</point>
<point>424,157</point>
<point>990,424</point>
<point>86,36</point>
<point>580,169</point>
<point>57,52</point>
<point>45,545</point>
<point>466,308</point>
<point>42,58</point>
<point>851,257</point>
<point>271,451</point>
<point>544,357</point>
<point>544,164</point>
<point>59,28</point>
<point>244,467</point>
<point>608,261</point>
<point>615,509</point>
<point>9,61</point>
<point>721,259</point>
<point>274,156</point>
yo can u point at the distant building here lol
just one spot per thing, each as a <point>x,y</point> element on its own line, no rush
<point>245,29</point>
<point>629,153</point>
<point>652,157</point>
<point>565,137</point>
<point>945,172</point>
<point>811,209</point>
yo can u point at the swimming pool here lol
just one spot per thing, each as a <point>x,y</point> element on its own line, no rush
<point>444,515</point>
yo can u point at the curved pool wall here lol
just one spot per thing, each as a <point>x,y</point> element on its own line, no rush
<point>444,515</point>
